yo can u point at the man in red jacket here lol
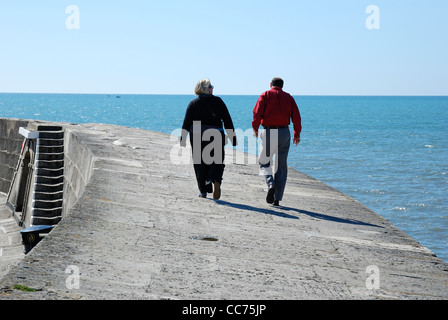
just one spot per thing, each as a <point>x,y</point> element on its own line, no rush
<point>274,110</point>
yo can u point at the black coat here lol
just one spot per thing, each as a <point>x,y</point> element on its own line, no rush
<point>210,111</point>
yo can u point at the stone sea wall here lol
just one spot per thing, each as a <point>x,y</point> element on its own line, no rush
<point>10,146</point>
<point>77,158</point>
<point>134,227</point>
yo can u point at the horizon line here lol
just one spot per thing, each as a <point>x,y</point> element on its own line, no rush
<point>233,94</point>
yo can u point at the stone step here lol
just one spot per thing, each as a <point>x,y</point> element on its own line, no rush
<point>38,221</point>
<point>50,172</point>
<point>51,135</point>
<point>44,164</point>
<point>50,149</point>
<point>50,156</point>
<point>47,213</point>
<point>48,196</point>
<point>49,180</point>
<point>47,204</point>
<point>49,188</point>
<point>51,142</point>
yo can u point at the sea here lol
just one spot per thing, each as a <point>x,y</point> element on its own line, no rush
<point>388,152</point>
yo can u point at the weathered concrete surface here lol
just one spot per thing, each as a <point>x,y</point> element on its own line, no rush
<point>11,248</point>
<point>10,146</point>
<point>137,232</point>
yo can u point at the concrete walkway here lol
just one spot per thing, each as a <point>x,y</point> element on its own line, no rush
<point>11,248</point>
<point>140,231</point>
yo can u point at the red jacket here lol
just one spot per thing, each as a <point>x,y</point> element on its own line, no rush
<point>276,108</point>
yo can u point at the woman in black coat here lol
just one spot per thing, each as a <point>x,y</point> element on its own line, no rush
<point>204,120</point>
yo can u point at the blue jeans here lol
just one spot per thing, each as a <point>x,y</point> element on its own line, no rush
<point>275,171</point>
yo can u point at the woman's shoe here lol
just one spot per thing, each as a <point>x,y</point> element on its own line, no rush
<point>203,195</point>
<point>271,193</point>
<point>208,187</point>
<point>216,190</point>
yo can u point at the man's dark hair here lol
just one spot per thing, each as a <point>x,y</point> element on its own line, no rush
<point>277,82</point>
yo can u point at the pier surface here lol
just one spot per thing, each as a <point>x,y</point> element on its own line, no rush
<point>140,231</point>
<point>11,248</point>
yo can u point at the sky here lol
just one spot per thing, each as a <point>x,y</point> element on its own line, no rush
<point>320,47</point>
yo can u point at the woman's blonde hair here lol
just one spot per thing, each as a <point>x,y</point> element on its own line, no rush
<point>203,87</point>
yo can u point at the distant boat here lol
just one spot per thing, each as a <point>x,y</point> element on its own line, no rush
<point>118,97</point>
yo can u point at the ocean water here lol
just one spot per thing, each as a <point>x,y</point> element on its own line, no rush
<point>389,153</point>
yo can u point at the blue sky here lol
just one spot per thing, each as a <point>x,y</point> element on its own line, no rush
<point>320,47</point>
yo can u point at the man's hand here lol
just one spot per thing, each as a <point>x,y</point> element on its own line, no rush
<point>255,134</point>
<point>296,141</point>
